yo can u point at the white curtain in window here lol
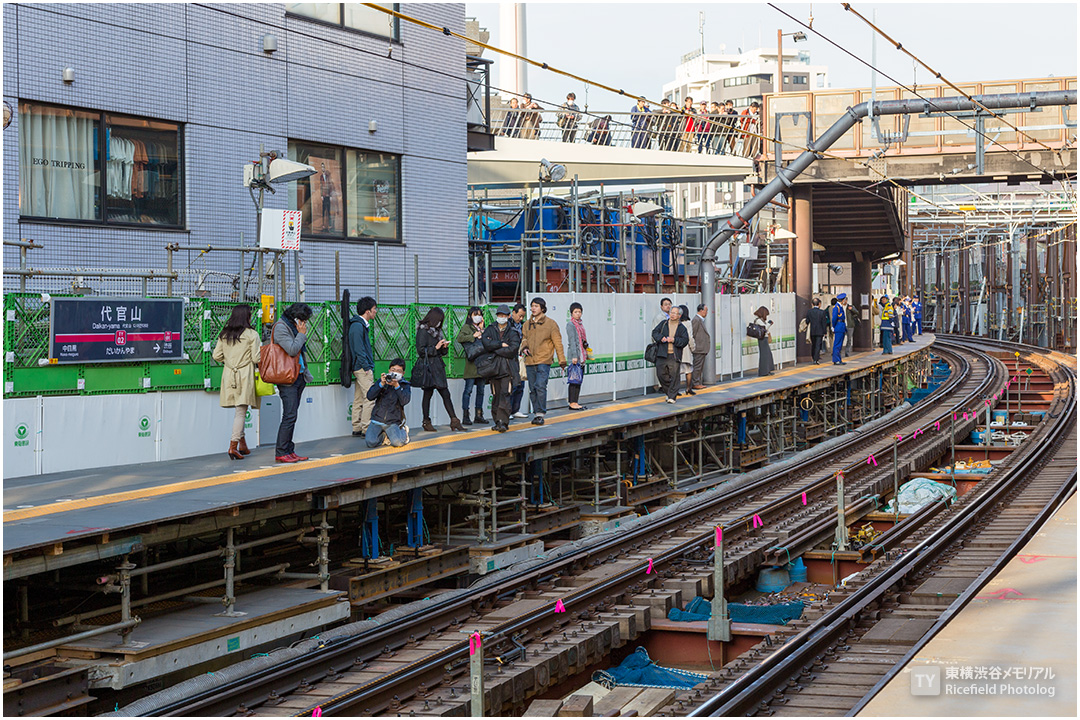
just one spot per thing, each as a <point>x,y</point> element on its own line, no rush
<point>57,176</point>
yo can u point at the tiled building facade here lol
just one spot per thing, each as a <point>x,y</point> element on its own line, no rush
<point>382,102</point>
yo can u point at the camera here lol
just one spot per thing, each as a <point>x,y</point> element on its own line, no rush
<point>393,376</point>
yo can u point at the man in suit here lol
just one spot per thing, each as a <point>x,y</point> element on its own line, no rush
<point>703,344</point>
<point>818,320</point>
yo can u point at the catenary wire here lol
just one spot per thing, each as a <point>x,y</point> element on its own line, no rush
<point>545,66</point>
<point>913,91</point>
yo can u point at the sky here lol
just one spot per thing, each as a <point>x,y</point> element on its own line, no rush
<point>636,46</point>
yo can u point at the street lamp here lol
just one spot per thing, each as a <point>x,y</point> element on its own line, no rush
<point>264,173</point>
<point>799,36</point>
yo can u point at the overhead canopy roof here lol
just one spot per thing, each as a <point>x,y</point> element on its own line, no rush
<point>516,163</point>
<point>862,223</point>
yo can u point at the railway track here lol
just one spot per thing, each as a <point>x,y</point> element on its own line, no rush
<point>420,659</point>
<point>836,664</point>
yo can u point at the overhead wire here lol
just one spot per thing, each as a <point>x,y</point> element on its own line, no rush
<point>913,91</point>
<point>586,81</point>
<point>942,78</point>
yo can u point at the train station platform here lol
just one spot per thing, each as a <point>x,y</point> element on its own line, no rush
<point>1012,651</point>
<point>44,512</point>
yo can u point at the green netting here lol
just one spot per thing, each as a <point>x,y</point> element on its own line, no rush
<point>26,348</point>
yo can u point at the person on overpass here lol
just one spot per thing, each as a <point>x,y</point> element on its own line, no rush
<point>818,320</point>
<point>568,119</point>
<point>640,122</point>
<point>390,396</point>
<point>839,328</point>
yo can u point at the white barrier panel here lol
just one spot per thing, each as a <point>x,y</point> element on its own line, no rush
<point>194,423</point>
<point>22,436</point>
<point>100,430</point>
<point>619,326</point>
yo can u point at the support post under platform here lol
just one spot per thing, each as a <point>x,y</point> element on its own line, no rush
<point>719,627</point>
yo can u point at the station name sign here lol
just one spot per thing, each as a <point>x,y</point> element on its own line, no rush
<point>95,330</point>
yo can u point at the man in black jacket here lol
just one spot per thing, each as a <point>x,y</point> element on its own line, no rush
<point>671,337</point>
<point>391,394</point>
<point>502,341</point>
<point>818,320</point>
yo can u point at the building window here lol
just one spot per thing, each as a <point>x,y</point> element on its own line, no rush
<point>799,80</point>
<point>61,178</point>
<point>353,194</point>
<point>354,16</point>
<point>821,80</point>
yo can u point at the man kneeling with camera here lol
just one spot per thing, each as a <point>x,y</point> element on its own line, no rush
<point>391,394</point>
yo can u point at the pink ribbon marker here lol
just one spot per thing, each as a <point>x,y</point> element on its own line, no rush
<point>804,498</point>
<point>474,643</point>
<point>954,416</point>
<point>317,712</point>
<point>649,569</point>
<point>871,459</point>
<point>937,424</point>
<point>757,521</point>
<point>719,535</point>
<point>899,437</point>
<point>965,416</point>
<point>559,607</point>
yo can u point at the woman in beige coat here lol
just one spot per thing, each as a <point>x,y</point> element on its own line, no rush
<point>238,350</point>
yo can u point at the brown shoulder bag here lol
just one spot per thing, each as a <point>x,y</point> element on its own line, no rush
<point>277,366</point>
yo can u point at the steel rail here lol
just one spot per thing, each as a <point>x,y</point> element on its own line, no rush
<point>286,677</point>
<point>744,694</point>
<point>377,691</point>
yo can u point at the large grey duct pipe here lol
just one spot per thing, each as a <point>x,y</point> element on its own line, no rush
<point>848,120</point>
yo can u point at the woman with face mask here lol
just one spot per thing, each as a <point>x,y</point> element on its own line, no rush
<point>470,332</point>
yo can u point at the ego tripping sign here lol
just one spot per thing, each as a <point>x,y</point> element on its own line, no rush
<point>280,229</point>
<point>115,330</point>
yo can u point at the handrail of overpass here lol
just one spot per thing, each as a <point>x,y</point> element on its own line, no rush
<point>708,134</point>
<point>926,135</point>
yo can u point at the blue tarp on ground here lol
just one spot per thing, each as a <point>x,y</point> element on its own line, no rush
<point>638,669</point>
<point>701,609</point>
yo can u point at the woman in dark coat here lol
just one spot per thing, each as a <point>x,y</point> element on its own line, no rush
<point>765,361</point>
<point>470,332</point>
<point>429,372</point>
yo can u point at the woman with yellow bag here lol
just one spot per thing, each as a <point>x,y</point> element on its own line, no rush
<point>238,350</point>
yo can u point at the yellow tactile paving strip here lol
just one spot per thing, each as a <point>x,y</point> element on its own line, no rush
<point>170,488</point>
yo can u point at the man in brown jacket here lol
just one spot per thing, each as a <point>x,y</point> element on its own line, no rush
<point>542,340</point>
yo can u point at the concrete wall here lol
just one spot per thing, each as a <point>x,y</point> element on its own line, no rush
<point>204,67</point>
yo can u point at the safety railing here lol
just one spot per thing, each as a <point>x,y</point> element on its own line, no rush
<point>922,134</point>
<point>28,373</point>
<point>708,133</point>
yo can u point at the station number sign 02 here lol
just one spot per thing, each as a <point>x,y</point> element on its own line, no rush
<point>105,330</point>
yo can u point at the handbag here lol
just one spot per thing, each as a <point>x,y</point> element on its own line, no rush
<point>522,372</point>
<point>262,388</point>
<point>575,374</point>
<point>651,351</point>
<point>803,325</point>
<point>753,330</point>
<point>277,366</point>
<point>487,365</point>
<point>473,350</point>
